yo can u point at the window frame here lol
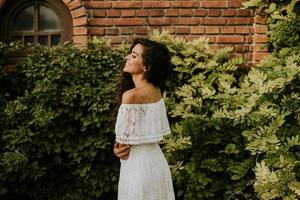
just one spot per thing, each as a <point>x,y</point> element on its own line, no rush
<point>10,9</point>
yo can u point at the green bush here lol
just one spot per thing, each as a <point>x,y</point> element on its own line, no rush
<point>57,136</point>
<point>283,17</point>
<point>207,154</point>
<point>236,132</point>
<point>235,129</point>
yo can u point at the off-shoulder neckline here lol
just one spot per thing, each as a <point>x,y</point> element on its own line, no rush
<point>143,104</point>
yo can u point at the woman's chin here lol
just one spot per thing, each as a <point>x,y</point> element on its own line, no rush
<point>126,70</point>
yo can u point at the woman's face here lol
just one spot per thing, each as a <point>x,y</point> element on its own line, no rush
<point>134,61</point>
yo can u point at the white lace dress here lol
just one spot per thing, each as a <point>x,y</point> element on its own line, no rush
<point>145,175</point>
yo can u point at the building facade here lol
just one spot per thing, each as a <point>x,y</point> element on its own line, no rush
<point>48,22</point>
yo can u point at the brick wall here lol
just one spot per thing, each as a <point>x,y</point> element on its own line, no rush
<point>222,22</point>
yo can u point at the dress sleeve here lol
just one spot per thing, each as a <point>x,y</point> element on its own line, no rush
<point>138,124</point>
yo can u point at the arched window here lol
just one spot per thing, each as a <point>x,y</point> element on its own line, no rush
<point>45,22</point>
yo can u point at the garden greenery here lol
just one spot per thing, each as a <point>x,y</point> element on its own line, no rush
<point>56,136</point>
<point>235,129</point>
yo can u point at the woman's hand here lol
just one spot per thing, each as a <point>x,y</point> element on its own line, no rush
<point>121,150</point>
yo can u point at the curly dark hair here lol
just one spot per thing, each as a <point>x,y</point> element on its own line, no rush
<point>156,58</point>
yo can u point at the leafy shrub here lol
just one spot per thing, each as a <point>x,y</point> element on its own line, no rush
<point>235,129</point>
<point>283,19</point>
<point>228,123</point>
<point>207,154</point>
<point>57,138</point>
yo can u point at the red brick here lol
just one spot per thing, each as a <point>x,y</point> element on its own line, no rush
<point>260,29</point>
<point>101,22</point>
<point>112,31</point>
<point>248,39</point>
<point>190,37</point>
<point>241,48</point>
<point>185,4</point>
<point>80,21</point>
<point>65,1</point>
<point>131,38</point>
<point>186,13</point>
<point>214,4</point>
<point>185,21</point>
<point>242,30</point>
<point>127,4</point>
<point>197,30</point>
<point>228,13</point>
<point>80,40</point>
<point>230,39</point>
<point>74,4</point>
<point>214,13</point>
<point>128,22</point>
<point>212,30</point>
<point>128,13</point>
<point>228,30</point>
<point>113,13</point>
<point>243,13</point>
<point>235,54</point>
<point>214,47</point>
<point>156,4</point>
<point>127,30</point>
<point>97,31</point>
<point>236,4</point>
<point>260,38</point>
<point>170,29</point>
<point>211,39</point>
<point>213,21</point>
<point>182,30</point>
<point>258,19</point>
<point>172,13</point>
<point>260,55</point>
<point>141,31</point>
<point>159,21</point>
<point>249,56</point>
<point>142,13</point>
<point>156,13</point>
<point>78,13</point>
<point>239,21</point>
<point>97,4</point>
<point>99,13</point>
<point>200,13</point>
<point>80,31</point>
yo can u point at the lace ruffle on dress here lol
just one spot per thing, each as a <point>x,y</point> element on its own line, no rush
<point>145,175</point>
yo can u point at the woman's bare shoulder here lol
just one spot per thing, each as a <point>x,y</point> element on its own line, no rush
<point>131,96</point>
<point>140,96</point>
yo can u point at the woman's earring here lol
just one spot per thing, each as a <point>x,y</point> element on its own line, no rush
<point>147,69</point>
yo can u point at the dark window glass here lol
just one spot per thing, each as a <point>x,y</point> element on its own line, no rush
<point>29,39</point>
<point>24,20</point>
<point>55,39</point>
<point>43,40</point>
<point>48,20</point>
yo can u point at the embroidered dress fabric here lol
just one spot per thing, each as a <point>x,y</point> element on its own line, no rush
<point>145,175</point>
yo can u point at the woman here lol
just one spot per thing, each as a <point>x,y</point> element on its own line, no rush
<point>141,124</point>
